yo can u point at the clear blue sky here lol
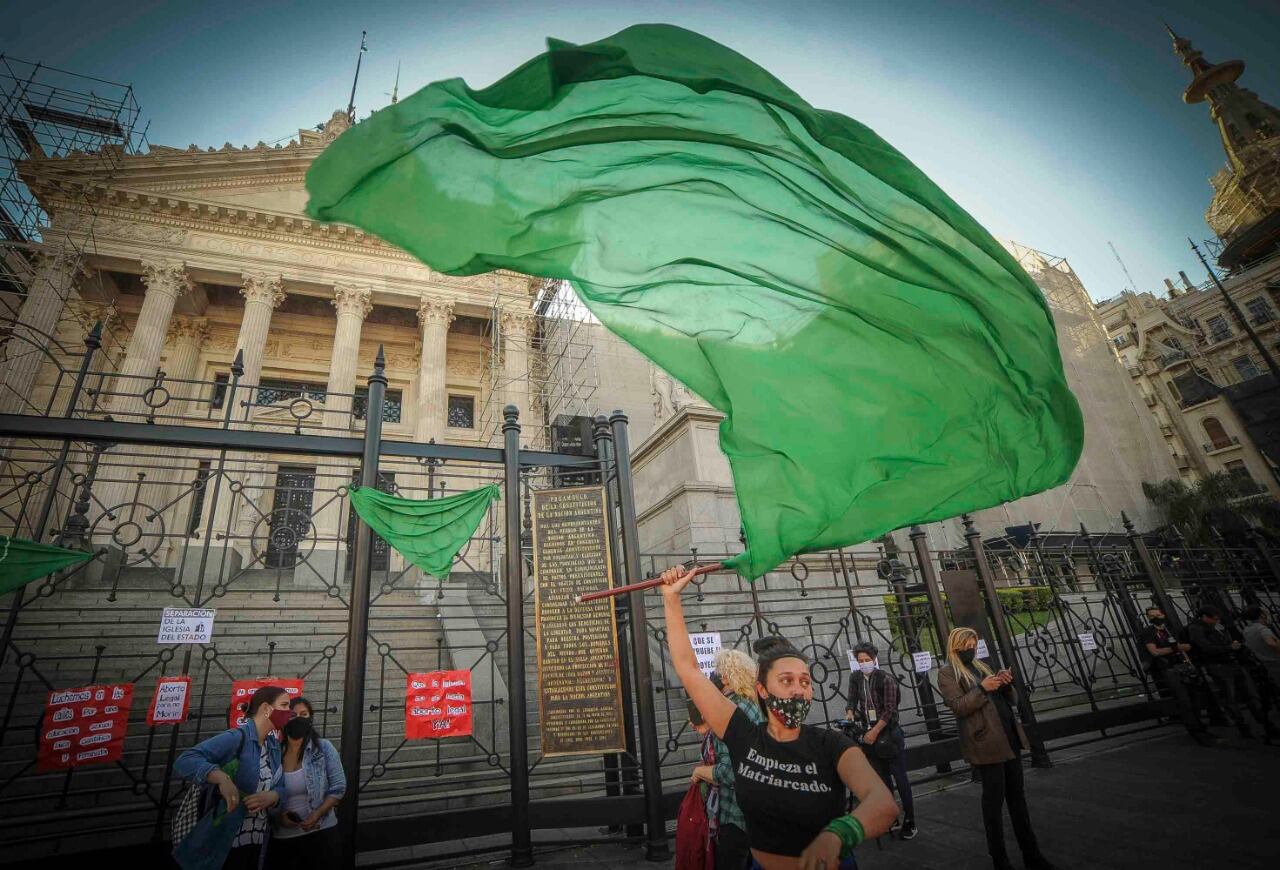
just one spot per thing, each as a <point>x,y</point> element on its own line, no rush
<point>1057,124</point>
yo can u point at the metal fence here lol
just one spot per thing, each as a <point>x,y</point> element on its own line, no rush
<point>237,497</point>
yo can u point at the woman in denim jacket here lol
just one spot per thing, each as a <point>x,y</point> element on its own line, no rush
<point>306,834</point>
<point>258,777</point>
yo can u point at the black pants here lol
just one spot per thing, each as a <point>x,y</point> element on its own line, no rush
<point>1176,682</point>
<point>319,850</point>
<point>733,849</point>
<point>243,858</point>
<point>893,772</point>
<point>1232,687</point>
<point>1001,784</point>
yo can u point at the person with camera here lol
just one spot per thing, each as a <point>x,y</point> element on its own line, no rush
<point>873,708</point>
<point>1171,669</point>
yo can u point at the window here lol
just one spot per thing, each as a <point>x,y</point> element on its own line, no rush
<point>197,498</point>
<point>1218,328</point>
<point>392,404</point>
<point>462,412</point>
<point>1218,437</point>
<point>1245,367</point>
<point>1248,486</point>
<point>1259,311</point>
<point>1171,341</point>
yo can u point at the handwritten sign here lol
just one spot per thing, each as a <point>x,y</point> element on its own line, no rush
<point>853,662</point>
<point>186,625</point>
<point>1087,642</point>
<point>983,652</point>
<point>85,725</point>
<point>242,691</point>
<point>705,647</point>
<point>923,661</point>
<point>169,705</point>
<point>438,704</point>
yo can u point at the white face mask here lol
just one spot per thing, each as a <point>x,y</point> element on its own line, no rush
<point>866,667</point>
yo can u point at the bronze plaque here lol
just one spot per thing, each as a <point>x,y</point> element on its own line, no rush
<point>579,687</point>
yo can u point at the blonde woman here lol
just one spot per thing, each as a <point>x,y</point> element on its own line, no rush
<point>735,677</point>
<point>991,739</point>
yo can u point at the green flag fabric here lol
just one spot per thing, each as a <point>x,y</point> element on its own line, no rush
<point>429,533</point>
<point>880,359</point>
<point>22,561</point>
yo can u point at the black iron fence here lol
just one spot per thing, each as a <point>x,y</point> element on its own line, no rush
<point>236,497</point>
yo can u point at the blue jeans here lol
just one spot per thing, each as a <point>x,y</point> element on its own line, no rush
<point>850,863</point>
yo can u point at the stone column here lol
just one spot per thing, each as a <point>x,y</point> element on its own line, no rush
<point>435,315</point>
<point>47,294</point>
<point>262,296</point>
<point>329,557</point>
<point>517,328</point>
<point>186,338</point>
<point>165,281</point>
<point>353,305</point>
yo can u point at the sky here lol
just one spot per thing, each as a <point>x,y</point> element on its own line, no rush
<point>1059,125</point>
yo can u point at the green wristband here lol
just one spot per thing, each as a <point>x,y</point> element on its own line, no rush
<point>850,832</point>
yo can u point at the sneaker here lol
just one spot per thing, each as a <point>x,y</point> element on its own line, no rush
<point>897,823</point>
<point>908,830</point>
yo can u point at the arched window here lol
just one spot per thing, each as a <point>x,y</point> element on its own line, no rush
<point>1218,437</point>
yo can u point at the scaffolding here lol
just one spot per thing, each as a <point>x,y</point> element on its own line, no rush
<point>560,379</point>
<point>63,137</point>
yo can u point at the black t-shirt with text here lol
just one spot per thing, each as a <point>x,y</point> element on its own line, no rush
<point>788,791</point>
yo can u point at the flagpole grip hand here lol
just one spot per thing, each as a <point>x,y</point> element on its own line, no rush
<point>674,580</point>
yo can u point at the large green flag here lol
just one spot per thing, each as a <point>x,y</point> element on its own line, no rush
<point>430,533</point>
<point>22,561</point>
<point>880,359</point>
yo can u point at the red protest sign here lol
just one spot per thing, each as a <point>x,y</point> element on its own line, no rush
<point>170,702</point>
<point>438,704</point>
<point>242,691</point>
<point>85,725</point>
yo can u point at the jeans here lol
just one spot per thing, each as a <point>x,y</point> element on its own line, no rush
<point>893,772</point>
<point>1001,784</point>
<point>319,850</point>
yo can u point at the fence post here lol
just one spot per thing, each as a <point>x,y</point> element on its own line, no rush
<point>358,618</point>
<point>521,834</point>
<point>1153,572</point>
<point>920,542</point>
<point>620,771</point>
<point>656,829</point>
<point>92,342</point>
<point>1004,637</point>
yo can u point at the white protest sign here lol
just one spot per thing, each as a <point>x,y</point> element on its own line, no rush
<point>982,649</point>
<point>923,662</point>
<point>705,647</point>
<point>186,625</point>
<point>1087,643</point>
<point>853,662</point>
<point>169,705</point>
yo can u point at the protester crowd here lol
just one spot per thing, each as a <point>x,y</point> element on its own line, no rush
<point>770,791</point>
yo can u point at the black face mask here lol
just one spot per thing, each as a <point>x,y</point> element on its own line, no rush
<point>298,729</point>
<point>966,656</point>
<point>1157,620</point>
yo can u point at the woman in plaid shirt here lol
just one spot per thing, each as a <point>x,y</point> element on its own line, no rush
<point>735,676</point>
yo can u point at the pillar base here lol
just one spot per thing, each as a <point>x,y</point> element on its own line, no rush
<point>325,567</point>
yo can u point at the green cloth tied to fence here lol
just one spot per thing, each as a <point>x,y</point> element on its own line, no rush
<point>880,359</point>
<point>429,533</point>
<point>22,561</point>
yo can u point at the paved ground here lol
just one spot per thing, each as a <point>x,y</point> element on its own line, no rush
<point>1154,801</point>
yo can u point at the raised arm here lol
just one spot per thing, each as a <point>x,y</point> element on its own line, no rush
<point>715,708</point>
